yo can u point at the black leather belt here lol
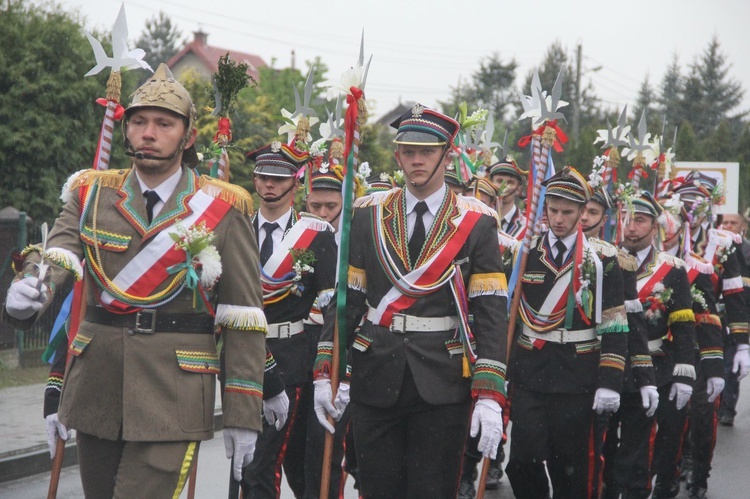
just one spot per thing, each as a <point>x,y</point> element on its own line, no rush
<point>149,321</point>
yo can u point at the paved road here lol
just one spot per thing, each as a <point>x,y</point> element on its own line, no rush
<point>730,478</point>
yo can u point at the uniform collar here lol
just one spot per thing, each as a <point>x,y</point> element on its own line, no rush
<point>433,201</point>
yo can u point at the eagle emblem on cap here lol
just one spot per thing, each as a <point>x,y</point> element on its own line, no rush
<point>275,146</point>
<point>417,110</point>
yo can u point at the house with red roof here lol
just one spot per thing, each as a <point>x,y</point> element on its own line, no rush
<point>202,58</point>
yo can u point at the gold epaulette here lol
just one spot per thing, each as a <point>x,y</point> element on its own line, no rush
<point>473,204</point>
<point>627,262</point>
<point>235,195</point>
<point>603,248</point>
<point>670,260</point>
<point>314,222</point>
<point>105,178</point>
<point>375,198</point>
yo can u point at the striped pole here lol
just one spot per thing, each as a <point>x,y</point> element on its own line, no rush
<point>104,146</point>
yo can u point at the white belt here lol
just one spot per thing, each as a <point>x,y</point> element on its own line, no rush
<point>283,330</point>
<point>654,345</point>
<point>401,323</point>
<point>562,335</point>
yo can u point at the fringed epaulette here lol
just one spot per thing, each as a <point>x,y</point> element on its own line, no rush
<point>375,198</point>
<point>720,238</point>
<point>698,263</point>
<point>67,190</point>
<point>603,248</point>
<point>507,241</point>
<point>112,179</point>
<point>627,262</point>
<point>235,195</point>
<point>670,260</point>
<point>310,221</point>
<point>473,204</point>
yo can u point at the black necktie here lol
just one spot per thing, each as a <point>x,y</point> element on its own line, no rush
<point>417,236</point>
<point>151,199</point>
<point>266,249</point>
<point>561,248</point>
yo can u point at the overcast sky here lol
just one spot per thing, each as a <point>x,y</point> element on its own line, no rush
<point>421,48</point>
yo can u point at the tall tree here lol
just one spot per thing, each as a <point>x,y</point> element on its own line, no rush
<point>49,122</point>
<point>160,39</point>
<point>493,85</point>
<point>670,93</point>
<point>646,101</point>
<point>722,93</point>
<point>490,87</point>
<point>743,156</point>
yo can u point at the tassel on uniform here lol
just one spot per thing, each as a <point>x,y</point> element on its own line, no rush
<point>465,369</point>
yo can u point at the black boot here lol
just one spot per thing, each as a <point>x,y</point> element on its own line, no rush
<point>666,489</point>
<point>466,489</point>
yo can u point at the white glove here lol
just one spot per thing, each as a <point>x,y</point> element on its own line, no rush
<point>342,399</point>
<point>682,392</point>
<point>741,359</point>
<point>606,400</point>
<point>650,398</point>
<point>714,387</point>
<point>488,416</point>
<point>239,444</point>
<point>323,404</point>
<point>54,429</point>
<point>276,409</point>
<point>24,299</point>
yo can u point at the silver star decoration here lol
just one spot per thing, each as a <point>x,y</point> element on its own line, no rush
<point>489,131</point>
<point>549,109</point>
<point>530,103</point>
<point>641,145</point>
<point>615,137</point>
<point>331,128</point>
<point>122,58</point>
<point>361,60</point>
<point>304,108</point>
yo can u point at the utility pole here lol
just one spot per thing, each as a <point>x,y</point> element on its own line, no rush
<point>577,99</point>
<point>293,59</point>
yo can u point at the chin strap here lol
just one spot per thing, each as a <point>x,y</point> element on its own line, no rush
<point>442,156</point>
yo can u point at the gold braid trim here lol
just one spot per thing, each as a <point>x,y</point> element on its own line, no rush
<point>357,279</point>
<point>487,284</point>
<point>627,261</point>
<point>473,204</point>
<point>114,86</point>
<point>105,178</point>
<point>235,195</point>
<point>684,315</point>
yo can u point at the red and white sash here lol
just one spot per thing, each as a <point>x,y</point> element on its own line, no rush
<point>646,284</point>
<point>148,269</point>
<point>429,277</point>
<point>300,236</point>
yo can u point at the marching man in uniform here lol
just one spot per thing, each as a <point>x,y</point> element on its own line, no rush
<point>506,173</point>
<point>664,293</point>
<point>298,262</point>
<point>571,353</point>
<point>421,259</point>
<point>165,251</point>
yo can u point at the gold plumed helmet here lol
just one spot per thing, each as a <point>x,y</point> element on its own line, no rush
<point>162,90</point>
